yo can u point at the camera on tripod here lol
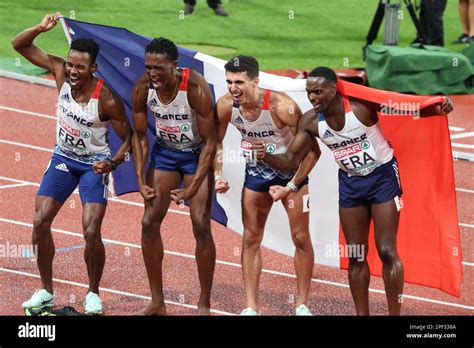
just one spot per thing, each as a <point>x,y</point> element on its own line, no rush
<point>392,14</point>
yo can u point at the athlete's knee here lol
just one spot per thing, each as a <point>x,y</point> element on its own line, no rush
<point>202,229</point>
<point>151,225</point>
<point>92,235</point>
<point>301,238</point>
<point>41,225</point>
<point>388,255</point>
<point>357,256</point>
<point>251,239</point>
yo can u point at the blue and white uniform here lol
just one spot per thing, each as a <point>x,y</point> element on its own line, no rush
<point>259,176</point>
<point>177,143</point>
<point>81,140</point>
<point>368,171</point>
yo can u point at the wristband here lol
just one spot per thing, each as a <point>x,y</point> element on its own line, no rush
<point>217,177</point>
<point>292,186</point>
<point>113,164</point>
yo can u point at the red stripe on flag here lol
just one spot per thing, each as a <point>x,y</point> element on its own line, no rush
<point>428,235</point>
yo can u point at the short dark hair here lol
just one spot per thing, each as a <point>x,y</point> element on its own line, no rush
<point>324,71</point>
<point>87,46</point>
<point>242,63</point>
<point>163,46</point>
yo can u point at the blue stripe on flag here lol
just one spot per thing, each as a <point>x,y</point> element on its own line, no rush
<point>121,61</point>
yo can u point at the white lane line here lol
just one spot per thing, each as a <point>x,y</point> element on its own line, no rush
<point>466,225</point>
<point>31,113</point>
<point>462,146</point>
<point>118,200</point>
<point>233,264</point>
<point>112,199</point>
<point>456,129</point>
<point>462,135</point>
<point>468,263</point>
<point>13,185</point>
<point>112,291</point>
<point>138,204</point>
<point>25,145</point>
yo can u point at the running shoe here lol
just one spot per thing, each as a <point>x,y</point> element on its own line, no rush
<point>41,298</point>
<point>249,311</point>
<point>302,310</point>
<point>93,304</point>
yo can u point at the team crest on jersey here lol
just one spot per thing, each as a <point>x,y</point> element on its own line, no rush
<point>185,127</point>
<point>65,97</point>
<point>327,134</point>
<point>86,134</point>
<point>238,119</point>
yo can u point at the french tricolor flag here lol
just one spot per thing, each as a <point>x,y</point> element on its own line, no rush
<point>428,238</point>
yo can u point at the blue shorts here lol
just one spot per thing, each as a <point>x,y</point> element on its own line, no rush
<point>64,174</point>
<point>260,184</point>
<point>380,186</point>
<point>174,161</point>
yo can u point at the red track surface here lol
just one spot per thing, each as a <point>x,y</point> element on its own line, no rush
<point>124,284</point>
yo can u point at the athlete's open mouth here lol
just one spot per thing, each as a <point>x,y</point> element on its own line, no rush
<point>156,83</point>
<point>74,80</point>
<point>237,96</point>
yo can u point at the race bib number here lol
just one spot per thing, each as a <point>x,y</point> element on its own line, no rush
<point>72,139</point>
<point>247,151</point>
<point>357,159</point>
<point>176,135</point>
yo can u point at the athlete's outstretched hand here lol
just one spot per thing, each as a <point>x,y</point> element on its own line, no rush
<point>147,192</point>
<point>102,167</point>
<point>278,192</point>
<point>181,195</point>
<point>259,149</point>
<point>221,185</point>
<point>447,106</point>
<point>49,21</point>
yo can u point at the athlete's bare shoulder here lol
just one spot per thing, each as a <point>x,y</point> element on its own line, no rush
<point>285,108</point>
<point>226,101</point>
<point>224,107</point>
<point>364,110</point>
<point>309,122</point>
<point>196,79</point>
<point>140,93</point>
<point>109,101</point>
<point>279,100</point>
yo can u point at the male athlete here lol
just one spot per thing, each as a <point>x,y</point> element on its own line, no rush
<point>271,117</point>
<point>185,144</point>
<point>369,181</point>
<point>86,107</point>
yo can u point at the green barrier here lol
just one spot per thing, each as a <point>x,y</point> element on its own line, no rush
<point>419,69</point>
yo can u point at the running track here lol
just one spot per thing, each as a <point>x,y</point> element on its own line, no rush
<point>27,134</point>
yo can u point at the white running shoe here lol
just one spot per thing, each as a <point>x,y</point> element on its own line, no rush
<point>302,310</point>
<point>249,311</point>
<point>41,298</point>
<point>93,304</point>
